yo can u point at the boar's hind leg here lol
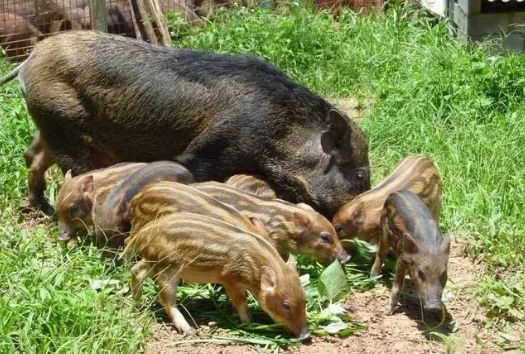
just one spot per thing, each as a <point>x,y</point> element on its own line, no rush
<point>397,285</point>
<point>238,298</point>
<point>39,159</point>
<point>167,283</point>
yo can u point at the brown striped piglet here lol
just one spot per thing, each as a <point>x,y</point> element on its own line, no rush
<point>166,197</point>
<point>409,228</point>
<point>112,217</point>
<point>252,184</point>
<point>78,195</point>
<point>295,228</point>
<point>99,199</point>
<point>197,248</point>
<point>360,217</point>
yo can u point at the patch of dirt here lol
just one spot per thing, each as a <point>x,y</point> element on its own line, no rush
<point>406,331</point>
<point>353,107</point>
<point>464,325</point>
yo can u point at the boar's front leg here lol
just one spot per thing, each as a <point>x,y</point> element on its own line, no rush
<point>238,299</point>
<point>38,158</point>
<point>397,286</point>
<point>167,282</point>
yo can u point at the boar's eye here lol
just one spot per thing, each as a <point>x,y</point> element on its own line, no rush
<point>326,238</point>
<point>285,306</point>
<point>421,275</point>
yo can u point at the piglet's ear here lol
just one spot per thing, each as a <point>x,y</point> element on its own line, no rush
<point>409,245</point>
<point>87,186</point>
<point>258,224</point>
<point>292,263</point>
<point>358,215</point>
<point>335,140</point>
<point>268,280</point>
<point>302,221</point>
<point>305,206</point>
<point>68,176</point>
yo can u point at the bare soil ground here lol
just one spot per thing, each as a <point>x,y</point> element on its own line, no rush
<point>354,107</point>
<point>465,325</point>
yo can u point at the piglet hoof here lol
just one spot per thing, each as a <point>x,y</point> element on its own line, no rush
<point>389,310</point>
<point>184,328</point>
<point>245,317</point>
<point>375,273</point>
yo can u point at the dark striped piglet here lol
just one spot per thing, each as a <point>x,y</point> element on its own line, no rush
<point>112,218</point>
<point>410,230</point>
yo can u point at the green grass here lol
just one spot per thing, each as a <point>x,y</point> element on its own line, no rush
<point>429,95</point>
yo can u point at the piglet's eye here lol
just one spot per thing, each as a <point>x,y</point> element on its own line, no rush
<point>285,305</point>
<point>75,211</point>
<point>421,275</point>
<point>326,238</point>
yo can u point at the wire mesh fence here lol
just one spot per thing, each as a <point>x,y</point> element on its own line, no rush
<point>24,22</point>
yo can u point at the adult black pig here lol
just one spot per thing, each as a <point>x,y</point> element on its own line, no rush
<point>99,99</point>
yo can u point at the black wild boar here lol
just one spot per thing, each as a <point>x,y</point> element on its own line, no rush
<point>99,99</point>
<point>411,231</point>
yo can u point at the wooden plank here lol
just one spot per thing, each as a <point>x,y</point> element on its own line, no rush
<point>98,15</point>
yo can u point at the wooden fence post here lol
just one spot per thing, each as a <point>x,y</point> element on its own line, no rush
<point>98,15</point>
<point>149,23</point>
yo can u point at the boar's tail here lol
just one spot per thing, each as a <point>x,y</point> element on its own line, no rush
<point>12,74</point>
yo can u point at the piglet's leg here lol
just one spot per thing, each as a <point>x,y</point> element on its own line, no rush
<point>397,286</point>
<point>238,298</point>
<point>380,258</point>
<point>168,282</point>
<point>139,272</point>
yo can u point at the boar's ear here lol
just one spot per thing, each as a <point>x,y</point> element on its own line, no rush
<point>292,263</point>
<point>409,245</point>
<point>68,175</point>
<point>335,141</point>
<point>268,280</point>
<point>302,221</point>
<point>257,223</point>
